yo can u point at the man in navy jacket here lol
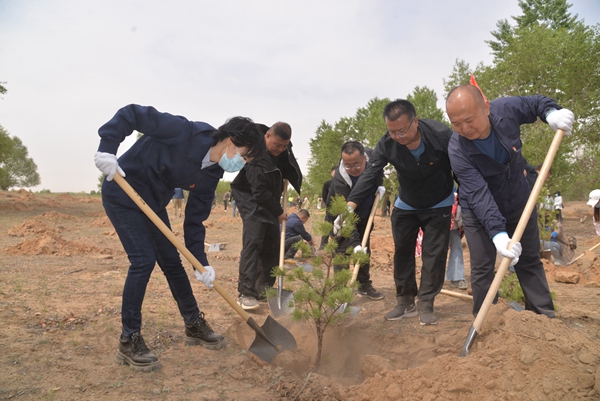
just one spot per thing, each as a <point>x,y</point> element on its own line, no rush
<point>173,152</point>
<point>485,152</point>
<point>295,231</point>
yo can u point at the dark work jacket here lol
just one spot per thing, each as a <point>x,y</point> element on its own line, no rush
<point>294,227</point>
<point>423,184</point>
<point>168,155</point>
<point>258,186</point>
<point>341,184</point>
<point>489,189</point>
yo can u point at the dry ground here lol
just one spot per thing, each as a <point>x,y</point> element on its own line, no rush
<point>62,270</point>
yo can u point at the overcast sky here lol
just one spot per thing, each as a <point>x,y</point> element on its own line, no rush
<point>69,65</point>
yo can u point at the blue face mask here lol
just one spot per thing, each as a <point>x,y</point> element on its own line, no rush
<point>236,163</point>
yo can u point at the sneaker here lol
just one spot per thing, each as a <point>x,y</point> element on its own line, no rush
<point>369,291</point>
<point>133,351</point>
<point>200,333</point>
<point>248,303</point>
<point>402,310</point>
<point>426,316</point>
<point>460,284</point>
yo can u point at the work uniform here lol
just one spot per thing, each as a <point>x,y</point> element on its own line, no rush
<point>493,192</point>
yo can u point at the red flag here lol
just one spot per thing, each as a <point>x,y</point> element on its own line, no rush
<point>474,83</point>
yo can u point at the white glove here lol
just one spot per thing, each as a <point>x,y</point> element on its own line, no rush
<point>381,191</point>
<point>359,248</point>
<point>108,165</point>
<point>207,277</point>
<point>501,241</point>
<point>337,225</point>
<point>561,119</point>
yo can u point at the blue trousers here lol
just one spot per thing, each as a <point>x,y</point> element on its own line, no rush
<point>145,246</point>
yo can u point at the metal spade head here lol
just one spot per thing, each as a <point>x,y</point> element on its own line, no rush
<point>278,339</point>
<point>282,303</point>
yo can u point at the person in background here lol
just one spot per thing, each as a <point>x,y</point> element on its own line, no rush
<point>295,231</point>
<point>178,199</point>
<point>172,152</point>
<point>455,272</point>
<point>594,202</point>
<point>226,197</point>
<point>485,152</point>
<point>558,205</point>
<point>233,206</point>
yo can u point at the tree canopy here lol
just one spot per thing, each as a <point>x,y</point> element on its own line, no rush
<point>16,167</point>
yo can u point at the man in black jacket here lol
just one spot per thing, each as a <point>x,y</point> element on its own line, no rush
<point>418,149</point>
<point>257,190</point>
<point>352,166</point>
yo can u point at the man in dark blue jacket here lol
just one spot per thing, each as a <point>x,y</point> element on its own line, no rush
<point>485,152</point>
<point>295,231</point>
<point>418,149</point>
<point>257,190</point>
<point>173,152</point>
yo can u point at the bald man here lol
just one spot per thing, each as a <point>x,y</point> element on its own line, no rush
<point>485,154</point>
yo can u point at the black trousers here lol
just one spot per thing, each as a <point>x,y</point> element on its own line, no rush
<point>435,224</point>
<point>529,269</point>
<point>364,275</point>
<point>260,254</point>
<point>290,252</point>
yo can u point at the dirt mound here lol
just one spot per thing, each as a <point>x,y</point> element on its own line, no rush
<point>38,224</point>
<point>52,244</point>
<point>102,222</point>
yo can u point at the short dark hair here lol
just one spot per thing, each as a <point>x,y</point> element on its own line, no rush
<point>282,130</point>
<point>397,108</point>
<point>352,146</point>
<point>243,132</point>
<point>303,212</point>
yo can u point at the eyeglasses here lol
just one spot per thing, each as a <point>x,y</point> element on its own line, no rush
<point>398,132</point>
<point>356,166</point>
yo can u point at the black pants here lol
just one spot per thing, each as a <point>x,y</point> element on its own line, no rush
<point>364,275</point>
<point>290,252</point>
<point>260,254</point>
<point>435,224</point>
<point>529,269</point>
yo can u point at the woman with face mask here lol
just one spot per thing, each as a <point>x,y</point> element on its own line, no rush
<point>172,152</point>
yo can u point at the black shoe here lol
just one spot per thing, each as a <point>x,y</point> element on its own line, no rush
<point>134,352</point>
<point>369,291</point>
<point>200,333</point>
<point>403,309</point>
<point>426,316</point>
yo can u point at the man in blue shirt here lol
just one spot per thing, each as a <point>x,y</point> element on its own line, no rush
<point>485,152</point>
<point>418,149</point>
<point>295,231</point>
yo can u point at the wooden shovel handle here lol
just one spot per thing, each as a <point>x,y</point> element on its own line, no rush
<point>135,197</point>
<point>516,237</point>
<point>365,236</point>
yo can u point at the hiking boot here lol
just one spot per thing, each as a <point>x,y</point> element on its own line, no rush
<point>369,291</point>
<point>248,303</point>
<point>134,352</point>
<point>403,309</point>
<point>200,333</point>
<point>460,284</point>
<point>426,316</point>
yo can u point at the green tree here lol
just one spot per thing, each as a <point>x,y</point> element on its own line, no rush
<point>3,89</point>
<point>16,167</point>
<point>425,102</point>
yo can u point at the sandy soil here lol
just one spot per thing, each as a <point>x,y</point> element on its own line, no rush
<point>62,270</point>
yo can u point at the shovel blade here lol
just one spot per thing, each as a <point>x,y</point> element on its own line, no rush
<point>349,309</point>
<point>282,304</point>
<point>278,335</point>
<point>214,247</point>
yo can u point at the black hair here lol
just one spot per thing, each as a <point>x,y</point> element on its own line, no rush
<point>243,132</point>
<point>352,146</point>
<point>399,107</point>
<point>303,212</point>
<point>282,130</point>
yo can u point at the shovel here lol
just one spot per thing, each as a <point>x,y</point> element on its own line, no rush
<point>272,338</point>
<point>531,202</point>
<point>283,303</point>
<point>304,265</point>
<point>353,311</point>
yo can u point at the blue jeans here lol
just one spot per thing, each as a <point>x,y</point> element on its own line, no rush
<point>456,263</point>
<point>145,245</point>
